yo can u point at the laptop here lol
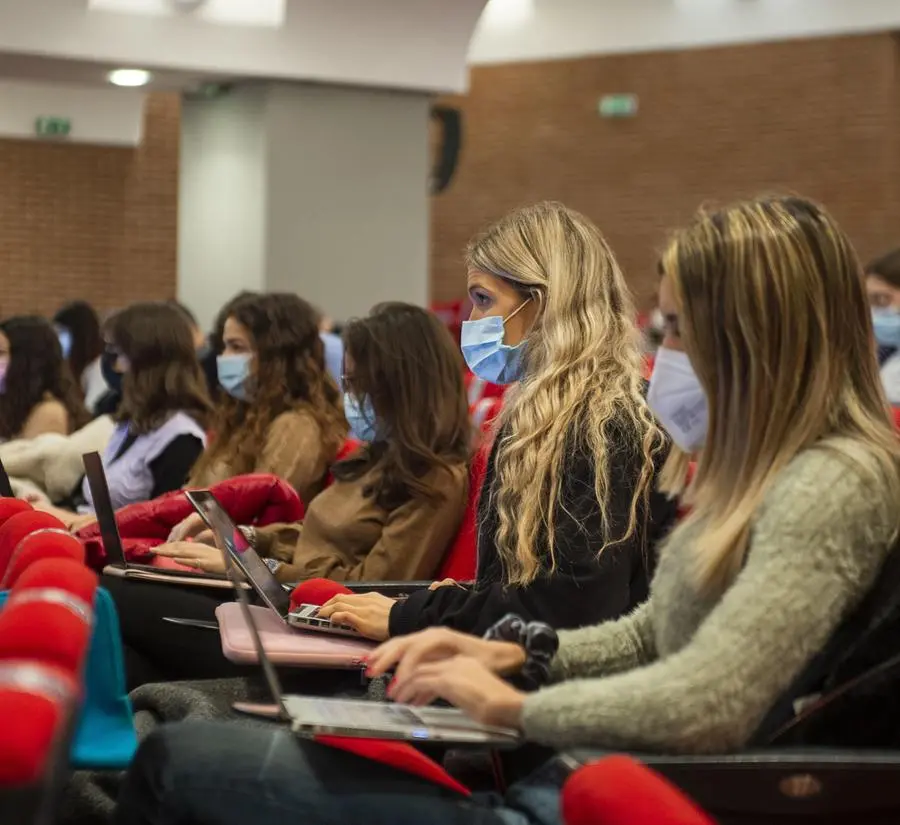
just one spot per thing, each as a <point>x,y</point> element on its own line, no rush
<point>272,593</point>
<point>112,539</point>
<point>6,490</point>
<point>311,716</point>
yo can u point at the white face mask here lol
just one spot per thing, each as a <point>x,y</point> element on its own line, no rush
<point>677,399</point>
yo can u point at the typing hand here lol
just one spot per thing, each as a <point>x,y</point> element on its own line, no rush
<point>466,684</point>
<point>406,654</point>
<point>187,528</point>
<point>193,554</point>
<point>369,613</point>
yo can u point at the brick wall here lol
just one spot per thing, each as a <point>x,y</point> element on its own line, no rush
<point>92,222</point>
<point>818,117</point>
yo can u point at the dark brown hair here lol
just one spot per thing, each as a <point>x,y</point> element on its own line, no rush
<point>80,319</point>
<point>887,267</point>
<point>163,375</point>
<point>36,370</point>
<point>405,361</point>
<point>289,375</point>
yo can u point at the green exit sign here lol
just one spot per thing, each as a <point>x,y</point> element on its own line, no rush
<point>52,126</point>
<point>618,106</point>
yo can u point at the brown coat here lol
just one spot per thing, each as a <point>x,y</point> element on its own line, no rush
<point>346,536</point>
<point>293,450</point>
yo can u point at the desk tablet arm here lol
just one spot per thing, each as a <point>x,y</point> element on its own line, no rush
<point>783,785</point>
<point>386,588</point>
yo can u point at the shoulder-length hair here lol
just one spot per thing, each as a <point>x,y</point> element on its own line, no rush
<point>37,371</point>
<point>404,360</point>
<point>163,375</point>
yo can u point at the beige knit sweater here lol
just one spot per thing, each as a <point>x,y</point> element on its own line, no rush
<point>691,673</point>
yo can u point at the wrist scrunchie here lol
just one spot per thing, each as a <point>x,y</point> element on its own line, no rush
<point>538,640</point>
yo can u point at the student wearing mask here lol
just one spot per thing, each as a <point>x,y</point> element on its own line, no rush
<point>794,511</point>
<point>883,288</point>
<point>78,328</point>
<point>391,513</point>
<point>37,391</point>
<point>569,504</point>
<point>397,503</point>
<point>161,420</point>
<point>281,413</point>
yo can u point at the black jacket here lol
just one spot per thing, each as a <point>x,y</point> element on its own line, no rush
<point>585,589</point>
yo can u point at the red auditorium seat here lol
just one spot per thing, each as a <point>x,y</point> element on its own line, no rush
<point>462,557</point>
<point>618,790</point>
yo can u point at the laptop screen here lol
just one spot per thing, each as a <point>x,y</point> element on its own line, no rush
<point>233,542</point>
<point>103,509</point>
<point>6,490</point>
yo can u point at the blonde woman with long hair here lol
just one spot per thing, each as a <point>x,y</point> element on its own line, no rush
<point>569,511</point>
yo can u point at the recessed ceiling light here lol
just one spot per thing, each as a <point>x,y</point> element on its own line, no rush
<point>129,77</point>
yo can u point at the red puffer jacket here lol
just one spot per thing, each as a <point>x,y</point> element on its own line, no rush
<point>257,499</point>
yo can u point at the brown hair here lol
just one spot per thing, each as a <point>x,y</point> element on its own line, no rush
<point>405,361</point>
<point>36,370</point>
<point>775,320</point>
<point>289,374</point>
<point>163,375</point>
<point>887,267</point>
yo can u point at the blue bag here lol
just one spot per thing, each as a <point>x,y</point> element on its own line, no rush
<point>105,736</point>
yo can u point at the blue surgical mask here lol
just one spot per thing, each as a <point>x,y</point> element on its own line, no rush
<point>65,341</point>
<point>886,322</point>
<point>677,399</point>
<point>361,417</point>
<point>234,374</point>
<point>488,357</point>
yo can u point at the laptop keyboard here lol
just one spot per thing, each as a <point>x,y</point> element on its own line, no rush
<point>375,714</point>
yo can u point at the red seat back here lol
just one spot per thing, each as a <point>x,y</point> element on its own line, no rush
<point>897,417</point>
<point>461,560</point>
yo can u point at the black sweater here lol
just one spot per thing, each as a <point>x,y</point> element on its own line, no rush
<point>584,589</point>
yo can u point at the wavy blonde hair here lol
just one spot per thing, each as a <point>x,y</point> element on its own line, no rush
<point>582,384</point>
<point>774,318</point>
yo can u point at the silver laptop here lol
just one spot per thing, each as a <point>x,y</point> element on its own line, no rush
<point>230,539</point>
<point>311,716</point>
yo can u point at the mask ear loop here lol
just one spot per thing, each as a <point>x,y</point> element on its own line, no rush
<point>517,310</point>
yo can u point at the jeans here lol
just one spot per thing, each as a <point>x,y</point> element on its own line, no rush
<point>214,773</point>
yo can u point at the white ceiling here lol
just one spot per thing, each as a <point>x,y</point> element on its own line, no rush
<point>531,30</point>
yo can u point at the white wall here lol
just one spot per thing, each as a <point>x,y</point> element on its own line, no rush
<point>316,190</point>
<point>548,29</point>
<point>106,116</point>
<point>222,200</point>
<point>348,211</point>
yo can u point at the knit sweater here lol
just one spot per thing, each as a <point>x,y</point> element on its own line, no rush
<point>691,672</point>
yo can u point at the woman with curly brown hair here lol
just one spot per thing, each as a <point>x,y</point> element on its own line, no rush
<point>150,359</point>
<point>282,414</point>
<point>37,391</point>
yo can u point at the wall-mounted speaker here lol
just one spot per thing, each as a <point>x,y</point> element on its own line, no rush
<point>449,122</point>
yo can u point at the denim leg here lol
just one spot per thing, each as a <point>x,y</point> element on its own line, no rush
<point>195,773</point>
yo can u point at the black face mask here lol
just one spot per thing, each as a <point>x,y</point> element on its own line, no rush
<point>110,375</point>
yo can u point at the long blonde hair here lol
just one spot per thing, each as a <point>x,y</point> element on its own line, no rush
<point>774,318</point>
<point>582,384</point>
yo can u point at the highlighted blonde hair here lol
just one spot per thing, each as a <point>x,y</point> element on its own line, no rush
<point>582,384</point>
<point>774,317</point>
